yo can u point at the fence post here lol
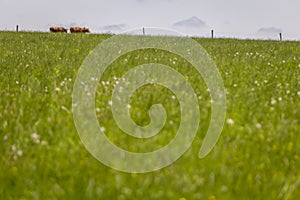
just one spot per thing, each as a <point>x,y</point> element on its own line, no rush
<point>212,33</point>
<point>280,36</point>
<point>143,31</point>
<point>17,28</point>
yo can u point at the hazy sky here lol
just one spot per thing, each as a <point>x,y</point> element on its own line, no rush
<point>230,18</point>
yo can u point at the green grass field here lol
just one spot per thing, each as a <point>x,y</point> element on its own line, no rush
<point>42,157</point>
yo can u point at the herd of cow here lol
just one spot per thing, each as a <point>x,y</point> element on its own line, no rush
<point>72,30</point>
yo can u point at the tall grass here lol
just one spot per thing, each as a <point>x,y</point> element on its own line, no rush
<point>41,156</point>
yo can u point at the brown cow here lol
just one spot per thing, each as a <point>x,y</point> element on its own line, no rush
<point>58,29</point>
<point>75,29</point>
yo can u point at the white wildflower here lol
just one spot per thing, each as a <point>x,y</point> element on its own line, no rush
<point>13,148</point>
<point>258,125</point>
<point>230,121</point>
<point>19,152</point>
<point>62,83</point>
<point>273,102</point>
<point>36,138</point>
<point>102,129</point>
<point>57,89</point>
<point>279,85</point>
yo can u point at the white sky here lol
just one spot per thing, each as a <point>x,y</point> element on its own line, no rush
<point>230,18</point>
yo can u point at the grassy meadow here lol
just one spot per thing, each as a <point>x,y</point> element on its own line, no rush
<point>42,157</point>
